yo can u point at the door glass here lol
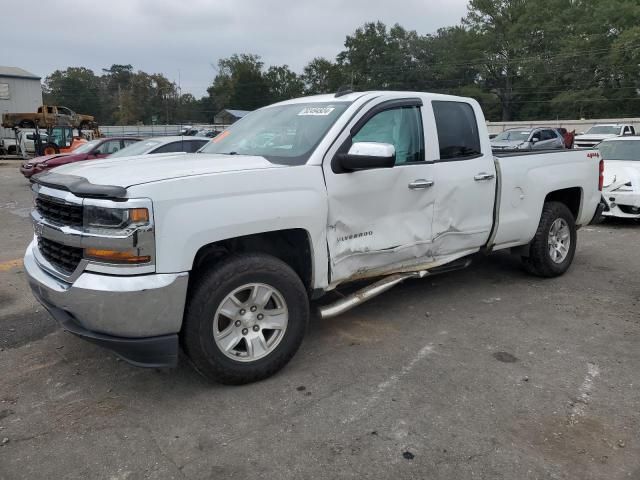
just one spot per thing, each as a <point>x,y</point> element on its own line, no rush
<point>457,127</point>
<point>170,147</point>
<point>109,147</point>
<point>400,127</point>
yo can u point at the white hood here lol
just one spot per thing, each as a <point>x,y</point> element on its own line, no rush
<point>595,137</point>
<point>619,172</point>
<point>128,171</point>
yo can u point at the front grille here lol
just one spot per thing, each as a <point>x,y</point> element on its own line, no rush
<point>58,212</point>
<point>63,257</point>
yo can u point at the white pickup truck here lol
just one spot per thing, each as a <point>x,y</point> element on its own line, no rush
<point>222,250</point>
<point>600,132</point>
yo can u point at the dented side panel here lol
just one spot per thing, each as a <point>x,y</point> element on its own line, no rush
<point>375,220</point>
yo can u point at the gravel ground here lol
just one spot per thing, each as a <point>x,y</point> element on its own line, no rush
<point>485,373</point>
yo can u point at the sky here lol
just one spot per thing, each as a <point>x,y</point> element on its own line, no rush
<point>184,39</point>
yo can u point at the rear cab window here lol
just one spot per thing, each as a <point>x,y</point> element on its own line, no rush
<point>458,135</point>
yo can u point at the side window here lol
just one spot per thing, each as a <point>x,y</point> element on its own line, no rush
<point>632,131</point>
<point>458,135</point>
<point>400,127</point>
<point>170,148</point>
<point>548,135</point>
<point>194,145</point>
<point>109,147</point>
<point>126,143</point>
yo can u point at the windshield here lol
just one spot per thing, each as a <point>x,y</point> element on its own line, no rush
<point>513,135</point>
<point>137,148</point>
<point>282,134</point>
<point>628,150</point>
<point>87,147</point>
<point>604,130</point>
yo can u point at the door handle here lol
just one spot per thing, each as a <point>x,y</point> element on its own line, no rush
<point>420,184</point>
<point>484,176</point>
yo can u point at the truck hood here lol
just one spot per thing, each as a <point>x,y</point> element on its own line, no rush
<point>619,172</point>
<point>128,171</point>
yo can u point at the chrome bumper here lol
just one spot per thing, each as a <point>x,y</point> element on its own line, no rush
<point>120,308</point>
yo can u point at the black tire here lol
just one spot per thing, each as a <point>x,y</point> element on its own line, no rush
<point>27,124</point>
<point>539,261</point>
<point>50,146</point>
<point>212,287</point>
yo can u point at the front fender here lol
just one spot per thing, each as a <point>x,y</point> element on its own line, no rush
<point>191,212</point>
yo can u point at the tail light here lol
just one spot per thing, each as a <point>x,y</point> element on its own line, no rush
<point>601,176</point>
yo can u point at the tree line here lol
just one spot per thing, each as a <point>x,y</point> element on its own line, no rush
<point>522,60</point>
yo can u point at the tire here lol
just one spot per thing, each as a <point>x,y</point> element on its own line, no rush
<point>598,219</point>
<point>240,277</point>
<point>50,149</point>
<point>27,124</point>
<point>541,262</point>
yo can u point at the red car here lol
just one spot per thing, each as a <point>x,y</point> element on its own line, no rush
<point>99,148</point>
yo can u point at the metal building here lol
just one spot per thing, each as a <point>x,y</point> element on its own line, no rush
<point>20,91</point>
<point>227,117</point>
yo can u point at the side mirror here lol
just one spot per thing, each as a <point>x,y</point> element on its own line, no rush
<point>368,155</point>
<point>535,139</point>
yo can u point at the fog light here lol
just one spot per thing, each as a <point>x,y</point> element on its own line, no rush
<point>115,256</point>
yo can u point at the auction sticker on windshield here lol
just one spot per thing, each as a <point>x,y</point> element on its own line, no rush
<point>316,111</point>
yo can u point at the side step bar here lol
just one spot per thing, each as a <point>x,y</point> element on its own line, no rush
<point>387,283</point>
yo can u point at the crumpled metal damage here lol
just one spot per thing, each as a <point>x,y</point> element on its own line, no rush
<point>621,190</point>
<point>424,236</point>
<point>392,239</point>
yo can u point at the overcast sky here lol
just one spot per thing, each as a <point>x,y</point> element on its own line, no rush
<point>184,38</point>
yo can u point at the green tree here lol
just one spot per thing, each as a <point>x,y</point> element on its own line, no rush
<point>283,83</point>
<point>240,83</point>
<point>322,76</point>
<point>77,88</point>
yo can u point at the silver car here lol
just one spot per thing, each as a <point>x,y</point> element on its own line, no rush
<point>528,139</point>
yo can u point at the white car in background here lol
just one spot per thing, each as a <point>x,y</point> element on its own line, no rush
<point>621,189</point>
<point>173,144</point>
<point>598,133</point>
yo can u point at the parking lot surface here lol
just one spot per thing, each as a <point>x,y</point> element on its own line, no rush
<point>485,373</point>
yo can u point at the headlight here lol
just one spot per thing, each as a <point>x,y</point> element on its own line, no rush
<point>114,218</point>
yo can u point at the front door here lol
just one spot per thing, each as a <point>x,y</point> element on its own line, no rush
<point>379,220</point>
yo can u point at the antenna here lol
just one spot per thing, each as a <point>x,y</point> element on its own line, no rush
<point>344,90</point>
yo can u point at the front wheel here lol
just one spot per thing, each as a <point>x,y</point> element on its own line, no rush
<point>245,319</point>
<point>553,247</point>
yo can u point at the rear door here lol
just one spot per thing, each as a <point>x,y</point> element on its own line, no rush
<point>464,181</point>
<point>380,219</point>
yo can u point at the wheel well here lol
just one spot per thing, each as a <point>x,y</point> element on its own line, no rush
<point>571,197</point>
<point>291,246</point>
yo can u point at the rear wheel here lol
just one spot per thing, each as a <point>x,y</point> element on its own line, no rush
<point>553,247</point>
<point>245,319</point>
<point>51,149</point>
